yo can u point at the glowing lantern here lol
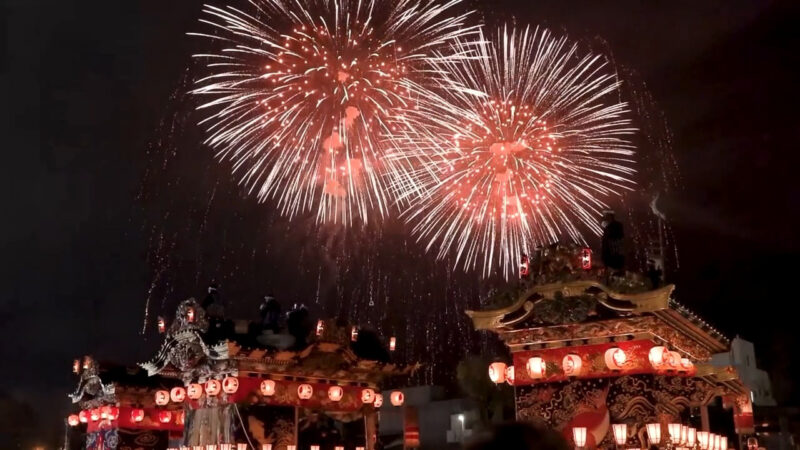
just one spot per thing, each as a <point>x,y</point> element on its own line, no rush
<point>177,394</point>
<point>194,391</point>
<point>674,360</point>
<point>354,334</point>
<point>338,447</point>
<point>112,413</point>
<point>164,416</point>
<point>586,259</point>
<point>314,447</point>
<point>674,432</point>
<point>180,418</point>
<point>684,434</point>
<point>304,391</point>
<point>137,415</point>
<point>291,447</point>
<point>94,414</point>
<point>723,443</point>
<point>367,395</point>
<point>524,266</point>
<point>86,362</point>
<point>702,439</point>
<point>83,416</point>
<point>686,364</point>
<point>572,365</point>
<point>320,327</point>
<point>213,387</point>
<point>620,433</point>
<point>76,366</point>
<point>579,436</point>
<point>190,315</point>
<point>497,372</point>
<point>691,437</point>
<point>654,433</point>
<point>230,385</point>
<point>162,398</point>
<point>397,398</point>
<point>73,420</point>
<point>536,367</point>
<point>510,375</point>
<point>392,343</point>
<point>658,356</point>
<point>335,393</point>
<point>615,358</point>
<point>378,401</point>
<point>266,446</point>
<point>267,388</point>
<point>241,446</point>
<point>162,325</point>
<point>104,412</point>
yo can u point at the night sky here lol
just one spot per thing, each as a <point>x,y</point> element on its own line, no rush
<point>109,192</point>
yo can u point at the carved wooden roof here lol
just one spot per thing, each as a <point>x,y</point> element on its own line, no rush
<point>583,311</point>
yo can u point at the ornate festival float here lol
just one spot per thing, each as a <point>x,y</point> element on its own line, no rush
<point>234,384</point>
<point>608,357</point>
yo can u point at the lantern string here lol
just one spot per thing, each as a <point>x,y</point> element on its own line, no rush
<point>241,422</point>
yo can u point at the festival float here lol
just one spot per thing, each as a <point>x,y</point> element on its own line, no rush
<point>609,357</point>
<point>235,384</point>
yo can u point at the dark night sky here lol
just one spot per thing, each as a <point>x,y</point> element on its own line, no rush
<point>86,83</point>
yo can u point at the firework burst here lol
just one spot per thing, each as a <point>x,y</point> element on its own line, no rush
<point>299,93</point>
<point>517,147</point>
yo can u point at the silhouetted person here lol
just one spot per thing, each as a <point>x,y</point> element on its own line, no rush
<point>298,322</point>
<point>519,436</point>
<point>213,302</point>
<point>270,311</point>
<point>654,273</point>
<point>613,249</point>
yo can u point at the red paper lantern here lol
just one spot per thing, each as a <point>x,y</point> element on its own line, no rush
<point>267,388</point>
<point>335,393</point>
<point>674,360</point>
<point>83,416</point>
<point>137,415</point>
<point>586,259</point>
<point>367,396</point>
<point>162,325</point>
<point>354,334</point>
<point>392,343</point>
<point>397,398</point>
<point>378,401</point>
<point>320,327</point>
<point>177,394</point>
<point>686,364</point>
<point>180,418</point>
<point>213,387</point>
<point>73,420</point>
<point>113,413</point>
<point>510,375</point>
<point>94,414</point>
<point>497,372</point>
<point>615,358</point>
<point>162,398</point>
<point>536,367</point>
<point>190,315</point>
<point>658,356</point>
<point>76,366</point>
<point>194,391</point>
<point>305,391</point>
<point>230,385</point>
<point>572,364</point>
<point>164,416</point>
<point>104,412</point>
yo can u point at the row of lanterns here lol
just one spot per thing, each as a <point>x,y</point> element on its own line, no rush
<point>572,364</point>
<point>242,446</point>
<point>231,384</point>
<point>111,413</point>
<point>680,436</point>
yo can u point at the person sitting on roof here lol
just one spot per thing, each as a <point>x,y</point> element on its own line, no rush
<point>270,312</point>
